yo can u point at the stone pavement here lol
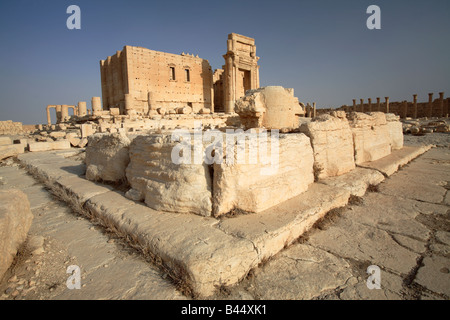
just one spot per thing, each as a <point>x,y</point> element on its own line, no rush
<point>402,226</point>
<point>109,268</point>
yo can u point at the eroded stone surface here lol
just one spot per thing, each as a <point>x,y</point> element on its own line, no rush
<point>332,142</point>
<point>107,157</point>
<point>15,221</point>
<point>285,173</point>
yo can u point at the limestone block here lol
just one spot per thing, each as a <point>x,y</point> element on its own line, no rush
<point>332,143</point>
<point>39,146</point>
<point>7,151</point>
<point>107,157</point>
<point>114,111</point>
<point>272,107</point>
<point>5,141</point>
<point>87,130</point>
<point>57,134</point>
<point>83,142</point>
<point>60,145</point>
<point>163,184</point>
<point>184,110</point>
<point>15,221</point>
<point>266,183</point>
<point>395,128</point>
<point>48,146</point>
<point>371,138</point>
<point>205,111</point>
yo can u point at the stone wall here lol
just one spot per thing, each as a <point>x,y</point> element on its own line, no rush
<point>10,127</point>
<point>140,79</point>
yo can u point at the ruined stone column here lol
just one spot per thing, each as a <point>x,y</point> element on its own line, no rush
<point>96,105</point>
<point>151,103</point>
<point>229,85</point>
<point>362,105</point>
<point>405,109</point>
<point>128,104</point>
<point>441,104</point>
<point>82,109</point>
<point>354,105</point>
<point>378,104</point>
<point>64,113</point>
<point>58,113</point>
<point>49,118</point>
<point>446,105</point>
<point>308,111</point>
<point>415,105</point>
<point>314,110</point>
<point>387,105</point>
<point>430,105</point>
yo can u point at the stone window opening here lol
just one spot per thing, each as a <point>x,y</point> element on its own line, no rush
<point>172,73</point>
<point>187,75</point>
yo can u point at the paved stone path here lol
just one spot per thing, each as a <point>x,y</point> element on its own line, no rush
<point>402,227</point>
<point>109,268</point>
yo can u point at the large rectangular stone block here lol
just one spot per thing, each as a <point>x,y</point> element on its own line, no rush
<point>286,172</point>
<point>107,157</point>
<point>163,184</point>
<point>395,129</point>
<point>371,136</point>
<point>332,142</point>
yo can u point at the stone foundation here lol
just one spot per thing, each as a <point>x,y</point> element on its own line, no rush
<point>332,142</point>
<point>371,137</point>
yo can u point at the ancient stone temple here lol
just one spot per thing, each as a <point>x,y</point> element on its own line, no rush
<point>240,72</point>
<point>145,82</point>
<point>141,81</point>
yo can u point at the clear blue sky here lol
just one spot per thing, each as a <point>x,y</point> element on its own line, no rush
<point>321,48</point>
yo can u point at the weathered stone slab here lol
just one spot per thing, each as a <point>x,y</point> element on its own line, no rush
<point>51,167</point>
<point>271,230</point>
<point>425,181</point>
<point>395,128</point>
<point>254,187</point>
<point>356,181</point>
<point>80,188</point>
<point>332,142</point>
<point>272,107</point>
<point>350,239</point>
<point>4,141</point>
<point>434,275</point>
<point>163,184</point>
<point>193,249</point>
<point>107,157</point>
<point>391,163</point>
<point>301,272</point>
<point>15,221</point>
<point>371,136</point>
<point>48,146</point>
<point>392,214</point>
